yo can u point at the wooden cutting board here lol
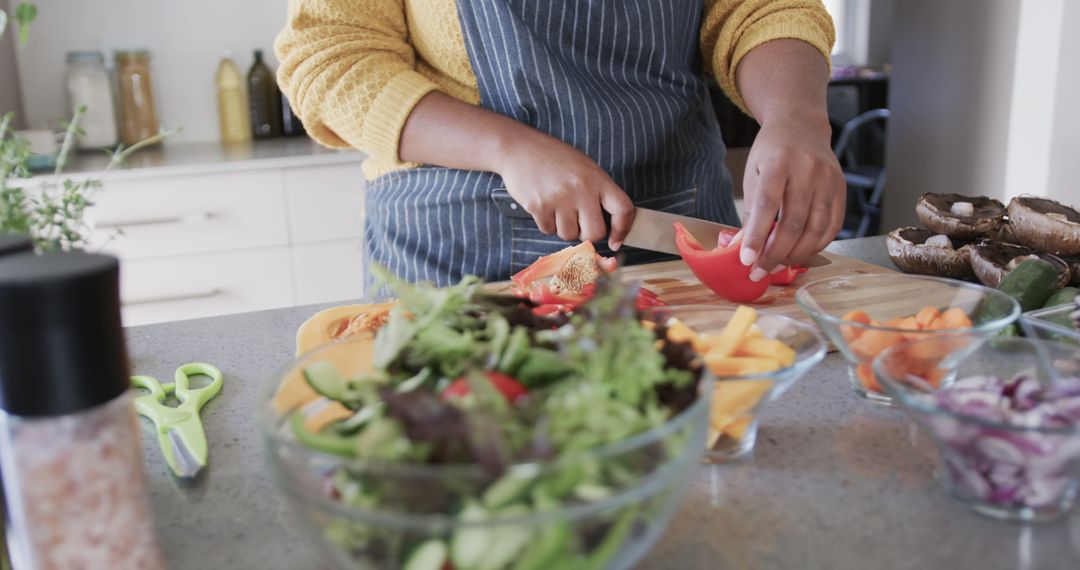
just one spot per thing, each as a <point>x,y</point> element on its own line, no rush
<point>676,285</point>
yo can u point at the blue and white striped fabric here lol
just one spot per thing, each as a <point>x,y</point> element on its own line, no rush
<point>619,80</point>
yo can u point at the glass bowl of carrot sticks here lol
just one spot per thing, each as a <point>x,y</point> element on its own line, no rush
<point>865,314</point>
<point>754,357</point>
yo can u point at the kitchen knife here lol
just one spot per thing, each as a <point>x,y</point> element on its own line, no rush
<point>652,230</point>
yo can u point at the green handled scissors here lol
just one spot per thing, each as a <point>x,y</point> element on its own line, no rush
<point>179,430</point>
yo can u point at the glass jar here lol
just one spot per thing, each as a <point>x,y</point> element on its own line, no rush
<point>137,114</point>
<point>69,440</point>
<point>88,85</point>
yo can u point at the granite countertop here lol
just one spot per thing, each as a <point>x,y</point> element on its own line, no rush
<point>835,483</point>
<point>177,158</point>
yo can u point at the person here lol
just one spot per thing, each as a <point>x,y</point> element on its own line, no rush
<point>580,109</point>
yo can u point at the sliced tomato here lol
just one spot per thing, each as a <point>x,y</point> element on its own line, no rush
<point>510,389</point>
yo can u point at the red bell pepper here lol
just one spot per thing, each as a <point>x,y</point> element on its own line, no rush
<point>719,269</point>
<point>528,282</point>
<point>510,389</point>
<point>787,275</point>
<point>549,265</point>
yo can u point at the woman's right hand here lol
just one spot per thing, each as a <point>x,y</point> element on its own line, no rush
<point>564,190</point>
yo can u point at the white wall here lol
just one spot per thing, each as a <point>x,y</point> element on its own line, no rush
<point>9,79</point>
<point>950,95</point>
<point>186,39</point>
<point>1064,179</point>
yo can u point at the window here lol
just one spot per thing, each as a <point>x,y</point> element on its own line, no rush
<point>838,10</point>
<point>851,18</point>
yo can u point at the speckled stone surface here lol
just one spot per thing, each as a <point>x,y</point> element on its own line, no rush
<point>835,482</point>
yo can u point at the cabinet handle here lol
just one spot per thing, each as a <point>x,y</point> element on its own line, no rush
<point>169,298</point>
<point>192,218</point>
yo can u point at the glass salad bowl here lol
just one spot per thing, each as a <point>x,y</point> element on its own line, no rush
<point>1053,323</point>
<point>599,507</point>
<point>1005,419</point>
<point>864,314</point>
<point>738,398</point>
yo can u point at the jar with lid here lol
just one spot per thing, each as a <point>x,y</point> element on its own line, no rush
<point>69,440</point>
<point>138,117</point>
<point>88,85</point>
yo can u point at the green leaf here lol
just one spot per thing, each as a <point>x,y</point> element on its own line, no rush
<point>25,13</point>
<point>3,22</point>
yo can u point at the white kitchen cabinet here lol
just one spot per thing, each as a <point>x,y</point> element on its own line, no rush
<point>153,217</point>
<point>205,284</point>
<point>201,231</point>
<point>328,271</point>
<point>325,202</point>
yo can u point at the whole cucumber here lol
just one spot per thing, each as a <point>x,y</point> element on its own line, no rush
<point>1031,283</point>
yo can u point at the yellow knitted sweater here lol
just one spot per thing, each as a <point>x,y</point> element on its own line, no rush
<point>354,69</point>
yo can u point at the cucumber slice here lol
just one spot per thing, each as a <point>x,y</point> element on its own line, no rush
<point>428,555</point>
<point>329,443</point>
<point>616,536</point>
<point>592,492</point>
<point>352,425</point>
<point>469,545</point>
<point>517,351</point>
<point>550,543</point>
<point>507,541</point>
<point>325,379</point>
<point>507,489</point>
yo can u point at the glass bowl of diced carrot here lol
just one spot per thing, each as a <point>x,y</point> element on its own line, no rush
<point>865,314</point>
<point>755,356</point>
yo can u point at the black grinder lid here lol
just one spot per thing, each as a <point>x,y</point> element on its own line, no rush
<point>14,243</point>
<point>61,342</point>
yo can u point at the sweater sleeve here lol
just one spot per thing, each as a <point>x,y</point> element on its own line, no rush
<point>350,72</point>
<point>731,28</point>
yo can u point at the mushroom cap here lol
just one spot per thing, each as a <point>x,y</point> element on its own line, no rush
<point>1074,268</point>
<point>1031,226</point>
<point>934,211</point>
<point>908,252</point>
<point>990,260</point>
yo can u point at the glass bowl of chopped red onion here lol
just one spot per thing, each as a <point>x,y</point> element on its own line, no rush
<point>1006,419</point>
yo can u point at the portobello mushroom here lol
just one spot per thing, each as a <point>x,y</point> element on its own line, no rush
<point>1074,268</point>
<point>1045,225</point>
<point>960,217</point>
<point>915,250</point>
<point>993,260</point>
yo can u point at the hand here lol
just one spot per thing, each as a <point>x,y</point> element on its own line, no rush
<point>564,190</point>
<point>791,170</point>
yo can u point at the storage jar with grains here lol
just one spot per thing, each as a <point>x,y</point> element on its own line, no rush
<point>89,87</point>
<point>137,113</point>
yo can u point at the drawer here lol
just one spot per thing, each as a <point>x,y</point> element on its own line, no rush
<point>189,214</point>
<point>328,271</point>
<point>325,202</point>
<point>205,284</point>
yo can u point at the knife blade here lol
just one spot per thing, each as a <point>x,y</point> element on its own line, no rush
<point>654,230</point>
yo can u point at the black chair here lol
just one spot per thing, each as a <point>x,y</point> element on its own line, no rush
<point>860,149</point>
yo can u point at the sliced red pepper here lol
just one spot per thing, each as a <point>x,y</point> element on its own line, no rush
<point>607,264</point>
<point>787,275</point>
<point>719,269</point>
<point>549,265</point>
<point>510,389</point>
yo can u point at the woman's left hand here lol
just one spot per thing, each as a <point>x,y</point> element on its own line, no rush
<point>791,171</point>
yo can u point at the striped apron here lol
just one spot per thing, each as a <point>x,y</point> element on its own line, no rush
<point>620,80</point>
